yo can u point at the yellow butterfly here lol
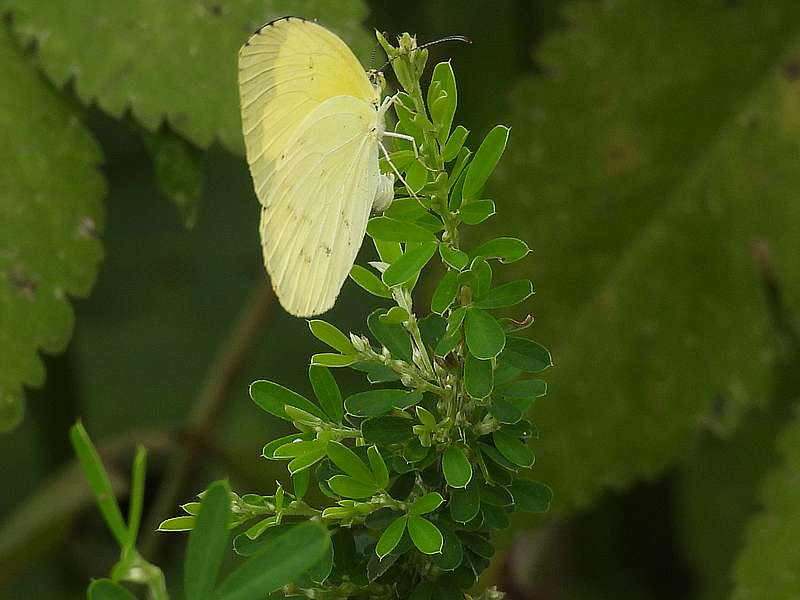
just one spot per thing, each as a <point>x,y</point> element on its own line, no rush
<point>313,120</point>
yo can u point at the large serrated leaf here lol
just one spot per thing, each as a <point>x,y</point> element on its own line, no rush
<point>50,217</point>
<point>661,146</point>
<point>164,60</point>
<point>769,565</point>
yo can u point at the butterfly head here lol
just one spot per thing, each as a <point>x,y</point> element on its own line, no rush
<point>378,81</point>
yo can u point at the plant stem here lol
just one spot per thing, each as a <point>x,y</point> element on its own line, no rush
<point>223,371</point>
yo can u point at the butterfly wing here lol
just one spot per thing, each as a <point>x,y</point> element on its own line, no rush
<point>286,70</point>
<point>309,122</point>
<point>318,203</point>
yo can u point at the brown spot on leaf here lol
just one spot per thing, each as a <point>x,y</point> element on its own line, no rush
<point>26,286</point>
<point>791,70</point>
<point>621,155</point>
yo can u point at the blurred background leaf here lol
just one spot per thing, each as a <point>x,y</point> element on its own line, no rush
<point>52,214</point>
<point>173,61</point>
<point>769,566</point>
<point>655,154</point>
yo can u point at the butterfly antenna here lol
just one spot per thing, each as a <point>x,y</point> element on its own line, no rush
<point>372,56</point>
<point>450,38</point>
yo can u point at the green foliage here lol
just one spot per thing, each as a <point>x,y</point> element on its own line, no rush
<point>272,563</point>
<point>769,565</point>
<point>178,168</point>
<point>51,217</point>
<point>658,147</point>
<point>424,465</point>
<point>179,67</point>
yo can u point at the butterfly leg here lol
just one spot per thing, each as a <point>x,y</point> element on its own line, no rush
<point>396,172</point>
<point>403,136</point>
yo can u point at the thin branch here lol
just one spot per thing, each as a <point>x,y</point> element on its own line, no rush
<point>226,366</point>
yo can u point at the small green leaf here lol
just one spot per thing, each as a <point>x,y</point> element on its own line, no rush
<point>425,504</point>
<point>432,329</point>
<point>105,589</point>
<point>465,503</point>
<point>388,251</point>
<point>327,392</point>
<point>526,355</point>
<point>477,543</point>
<point>374,403</point>
<point>485,337</point>
<point>426,417</point>
<point>504,249</point>
<point>479,276</point>
<point>329,334</point>
<point>348,487</point>
<point>447,344</point>
<point>396,315</point>
<point>350,463</point>
<point>279,562</point>
<point>138,474</point>
<point>387,430</point>
<point>478,376</point>
<point>486,159</point>
<point>495,495</point>
<point>513,449</point>
<point>455,319</point>
<point>456,467</point>
<point>406,209</point>
<point>99,483</point>
<point>328,359</point>
<point>306,460</point>
<point>295,448</point>
<point>270,448</point>
<point>185,523</point>
<point>477,211</point>
<point>527,388</point>
<point>531,496</point>
<point>409,265</point>
<point>454,143</point>
<point>273,398</point>
<point>505,412</point>
<point>455,180</point>
<point>379,471</point>
<point>207,543</point>
<point>179,170</point>
<point>426,537</point>
<point>507,294</point>
<point>300,482</point>
<point>443,105</point>
<point>445,292</point>
<point>370,282</point>
<point>400,159</point>
<point>394,337</point>
<point>452,257</point>
<point>513,326</point>
<point>452,552</point>
<point>391,536</point>
<point>416,176</point>
<point>392,230</point>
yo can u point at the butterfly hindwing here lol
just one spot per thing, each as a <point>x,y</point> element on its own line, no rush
<point>315,220</point>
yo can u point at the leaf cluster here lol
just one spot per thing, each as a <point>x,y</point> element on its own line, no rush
<point>426,463</point>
